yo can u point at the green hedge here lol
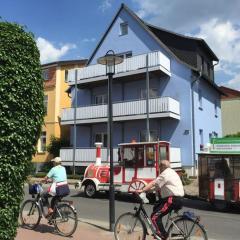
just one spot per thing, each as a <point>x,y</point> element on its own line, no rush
<point>21,117</point>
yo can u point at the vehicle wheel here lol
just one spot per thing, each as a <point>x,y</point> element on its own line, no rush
<point>136,185</point>
<point>220,205</point>
<point>30,214</point>
<point>184,228</point>
<point>90,190</point>
<point>65,220</point>
<point>129,226</point>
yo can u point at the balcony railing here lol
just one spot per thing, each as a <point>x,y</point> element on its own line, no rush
<point>86,156</point>
<point>136,63</point>
<point>158,107</point>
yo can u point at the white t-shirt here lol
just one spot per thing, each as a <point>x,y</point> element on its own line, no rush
<point>169,183</point>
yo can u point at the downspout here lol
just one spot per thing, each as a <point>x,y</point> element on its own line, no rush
<point>193,121</point>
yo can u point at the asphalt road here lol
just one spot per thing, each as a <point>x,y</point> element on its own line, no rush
<point>219,225</point>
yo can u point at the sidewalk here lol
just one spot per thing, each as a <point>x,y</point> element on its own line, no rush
<point>87,229</point>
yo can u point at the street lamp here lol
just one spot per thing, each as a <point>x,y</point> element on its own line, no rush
<point>110,60</point>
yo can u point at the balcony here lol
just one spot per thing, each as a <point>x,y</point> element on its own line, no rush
<point>86,156</point>
<point>130,66</point>
<point>164,107</point>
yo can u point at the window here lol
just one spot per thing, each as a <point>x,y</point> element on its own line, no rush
<point>100,99</point>
<point>125,55</point>
<point>153,93</point>
<point>101,137</point>
<point>153,136</point>
<point>201,139</point>
<point>45,102</point>
<point>215,108</point>
<point>45,74</point>
<point>42,142</point>
<point>124,28</point>
<point>208,70</point>
<point>200,105</point>
<point>202,64</point>
<point>66,76</point>
<point>150,156</point>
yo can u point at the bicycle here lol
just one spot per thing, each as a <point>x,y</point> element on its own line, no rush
<point>133,225</point>
<point>64,216</point>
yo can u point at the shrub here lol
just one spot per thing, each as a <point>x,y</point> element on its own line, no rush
<point>21,117</point>
<point>55,145</point>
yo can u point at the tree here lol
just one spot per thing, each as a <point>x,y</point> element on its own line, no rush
<point>55,145</point>
<point>237,135</point>
<point>21,117</point>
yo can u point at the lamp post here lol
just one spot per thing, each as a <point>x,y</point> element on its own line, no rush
<point>110,60</point>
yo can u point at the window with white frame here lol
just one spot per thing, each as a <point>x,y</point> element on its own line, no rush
<point>123,28</point>
<point>153,135</point>
<point>42,142</point>
<point>45,74</point>
<point>101,137</point>
<point>45,102</point>
<point>200,105</point>
<point>153,93</point>
<point>100,99</point>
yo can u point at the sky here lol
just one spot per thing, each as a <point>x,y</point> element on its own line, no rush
<point>71,29</point>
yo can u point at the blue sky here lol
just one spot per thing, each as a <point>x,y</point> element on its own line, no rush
<point>70,29</point>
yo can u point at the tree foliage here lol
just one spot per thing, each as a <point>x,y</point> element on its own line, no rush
<point>55,145</point>
<point>21,117</point>
<point>237,135</point>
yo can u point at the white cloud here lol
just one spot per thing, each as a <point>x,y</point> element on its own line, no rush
<point>234,82</point>
<point>216,21</point>
<point>50,53</point>
<point>223,38</point>
<point>188,14</point>
<point>87,40</point>
<point>105,5</point>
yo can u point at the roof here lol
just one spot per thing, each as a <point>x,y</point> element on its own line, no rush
<point>158,31</point>
<point>66,62</point>
<point>155,33</point>
<point>229,93</point>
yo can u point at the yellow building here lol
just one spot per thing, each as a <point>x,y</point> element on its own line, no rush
<point>55,99</point>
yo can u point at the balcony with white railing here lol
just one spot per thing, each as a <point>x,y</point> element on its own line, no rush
<point>134,65</point>
<point>123,111</point>
<point>86,156</point>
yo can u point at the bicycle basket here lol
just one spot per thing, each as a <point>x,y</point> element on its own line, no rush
<point>34,188</point>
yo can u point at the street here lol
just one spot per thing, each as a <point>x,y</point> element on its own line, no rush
<point>219,226</point>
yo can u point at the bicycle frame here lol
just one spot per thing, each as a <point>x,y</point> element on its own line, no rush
<point>141,212</point>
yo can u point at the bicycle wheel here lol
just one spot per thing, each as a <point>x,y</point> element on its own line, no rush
<point>65,219</point>
<point>129,226</point>
<point>186,229</point>
<point>30,214</point>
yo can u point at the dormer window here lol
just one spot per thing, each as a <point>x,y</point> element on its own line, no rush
<point>123,28</point>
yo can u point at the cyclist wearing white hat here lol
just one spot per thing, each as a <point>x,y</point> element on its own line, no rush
<point>59,187</point>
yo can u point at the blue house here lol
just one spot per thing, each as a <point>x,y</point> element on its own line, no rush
<point>184,103</point>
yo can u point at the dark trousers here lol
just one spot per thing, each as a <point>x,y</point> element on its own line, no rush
<point>54,200</point>
<point>162,208</point>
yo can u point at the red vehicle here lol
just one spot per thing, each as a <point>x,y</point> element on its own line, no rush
<point>138,164</point>
<point>219,172</point>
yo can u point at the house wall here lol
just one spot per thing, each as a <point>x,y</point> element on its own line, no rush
<point>205,117</point>
<point>178,132</point>
<point>230,116</point>
<point>137,40</point>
